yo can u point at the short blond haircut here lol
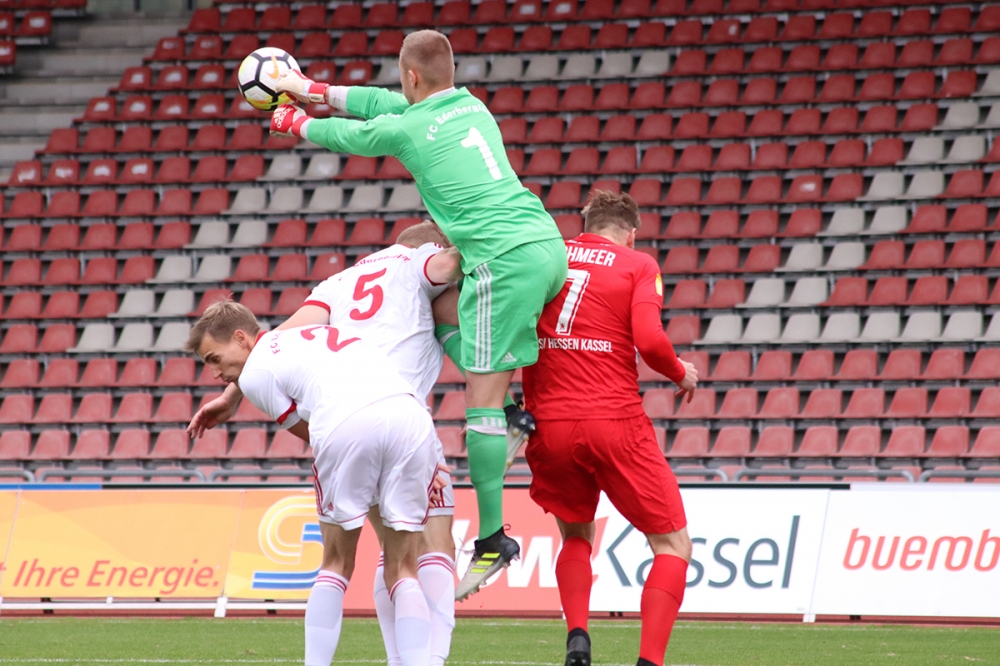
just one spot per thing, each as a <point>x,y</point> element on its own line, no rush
<point>606,209</point>
<point>429,53</point>
<point>220,321</point>
<point>423,233</point>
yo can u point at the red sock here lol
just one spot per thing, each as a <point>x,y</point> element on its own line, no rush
<point>574,577</point>
<point>661,599</point>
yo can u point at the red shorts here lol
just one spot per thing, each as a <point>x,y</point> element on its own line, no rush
<point>573,461</point>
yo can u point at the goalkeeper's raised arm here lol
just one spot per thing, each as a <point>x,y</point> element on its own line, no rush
<point>361,101</point>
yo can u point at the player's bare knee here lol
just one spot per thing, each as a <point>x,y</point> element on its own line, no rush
<point>437,537</point>
<point>401,549</point>
<point>586,531</point>
<point>673,543</point>
<point>487,391</point>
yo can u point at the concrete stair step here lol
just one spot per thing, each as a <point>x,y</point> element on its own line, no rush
<point>58,91</point>
<point>115,33</point>
<point>78,61</point>
<point>17,122</point>
<point>13,151</point>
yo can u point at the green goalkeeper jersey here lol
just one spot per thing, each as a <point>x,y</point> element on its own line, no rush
<point>452,146</point>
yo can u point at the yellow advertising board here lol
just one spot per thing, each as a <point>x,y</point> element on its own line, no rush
<point>8,506</point>
<point>121,543</point>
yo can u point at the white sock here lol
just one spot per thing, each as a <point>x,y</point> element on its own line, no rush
<point>413,622</point>
<point>436,573</point>
<point>386,613</point>
<point>324,614</point>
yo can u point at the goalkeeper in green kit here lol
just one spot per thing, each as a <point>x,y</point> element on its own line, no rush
<point>513,256</point>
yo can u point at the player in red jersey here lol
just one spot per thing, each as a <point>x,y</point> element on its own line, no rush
<point>592,433</point>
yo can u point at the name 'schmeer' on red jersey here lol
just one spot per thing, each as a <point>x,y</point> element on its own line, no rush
<point>587,365</point>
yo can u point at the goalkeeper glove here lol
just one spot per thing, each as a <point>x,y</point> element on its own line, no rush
<point>301,88</point>
<point>289,120</point>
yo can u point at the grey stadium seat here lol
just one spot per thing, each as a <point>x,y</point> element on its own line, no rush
<point>961,115</point>
<point>885,185</point>
<point>325,199</point>
<point>887,220</point>
<point>470,70</point>
<point>991,86</point>
<point>765,293</point>
<point>925,150</point>
<point>615,66</point>
<point>135,337</point>
<point>925,185</point>
<point>95,338</point>
<point>963,325</point>
<point>846,257</point>
<point>579,66</point>
<point>841,327</point>
<point>764,327</point>
<point>175,268</point>
<point>322,166</point>
<point>808,291</point>
<point>248,201</point>
<point>136,303</point>
<point>176,303</point>
<point>404,197</point>
<point>800,327</point>
<point>211,234</point>
<point>880,327</point>
<point>251,233</point>
<point>366,198</point>
<point>967,148</point>
<point>804,257</point>
<point>213,268</point>
<point>722,329</point>
<point>845,222</point>
<point>922,326</point>
<point>654,62</point>
<point>284,167</point>
<point>285,200</point>
<point>541,68</point>
<point>172,336</point>
<point>507,68</point>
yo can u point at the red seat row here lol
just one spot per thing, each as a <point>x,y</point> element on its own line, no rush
<point>31,24</point>
<point>133,236</point>
<point>492,12</point>
<point>826,403</point>
<point>106,203</point>
<point>721,191</point>
<point>23,339</point>
<point>134,373</point>
<point>141,171</point>
<point>826,442</point>
<point>815,365</point>
<point>698,158</point>
<point>727,124</point>
<point>98,270</point>
<point>877,55</point>
<point>59,305</point>
<point>42,4</point>
<point>169,139</point>
<point>838,88</point>
<point>924,254</point>
<point>247,443</point>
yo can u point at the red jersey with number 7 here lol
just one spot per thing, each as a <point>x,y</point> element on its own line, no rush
<point>587,366</point>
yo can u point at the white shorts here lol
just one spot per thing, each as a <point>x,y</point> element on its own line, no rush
<point>385,454</point>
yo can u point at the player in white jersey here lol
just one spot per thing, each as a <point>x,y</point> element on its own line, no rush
<point>371,438</point>
<point>386,298</point>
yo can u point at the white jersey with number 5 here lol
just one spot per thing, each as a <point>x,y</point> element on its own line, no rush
<point>386,297</point>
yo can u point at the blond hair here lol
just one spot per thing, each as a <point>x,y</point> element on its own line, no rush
<point>607,209</point>
<point>220,321</point>
<point>423,233</point>
<point>429,53</point>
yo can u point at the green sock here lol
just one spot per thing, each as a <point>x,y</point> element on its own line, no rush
<point>487,447</point>
<point>451,339</point>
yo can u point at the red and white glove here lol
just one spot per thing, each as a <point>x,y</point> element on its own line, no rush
<point>289,120</point>
<point>300,87</point>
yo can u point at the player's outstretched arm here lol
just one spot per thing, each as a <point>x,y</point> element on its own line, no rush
<point>215,412</point>
<point>360,101</point>
<point>373,138</point>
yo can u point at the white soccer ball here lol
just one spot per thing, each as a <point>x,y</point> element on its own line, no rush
<point>257,75</point>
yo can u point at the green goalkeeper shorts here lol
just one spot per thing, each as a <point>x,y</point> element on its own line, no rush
<point>501,301</point>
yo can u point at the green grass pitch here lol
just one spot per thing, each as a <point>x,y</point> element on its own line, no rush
<point>95,641</point>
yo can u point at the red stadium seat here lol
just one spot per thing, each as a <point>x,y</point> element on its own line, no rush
<point>823,404</point>
<point>732,366</point>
